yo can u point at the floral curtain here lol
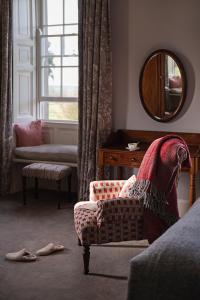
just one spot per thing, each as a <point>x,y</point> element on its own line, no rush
<point>95,87</point>
<point>5,93</point>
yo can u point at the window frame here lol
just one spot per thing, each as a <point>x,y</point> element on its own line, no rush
<point>42,16</point>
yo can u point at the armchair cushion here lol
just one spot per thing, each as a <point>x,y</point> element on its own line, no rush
<point>127,187</point>
<point>91,205</point>
<point>105,189</point>
<point>117,210</point>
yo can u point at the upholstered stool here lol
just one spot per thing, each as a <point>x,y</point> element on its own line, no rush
<point>46,171</point>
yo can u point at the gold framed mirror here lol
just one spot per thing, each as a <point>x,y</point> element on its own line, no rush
<point>162,85</point>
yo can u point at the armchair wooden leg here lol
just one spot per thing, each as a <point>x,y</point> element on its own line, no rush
<point>79,242</point>
<point>86,258</point>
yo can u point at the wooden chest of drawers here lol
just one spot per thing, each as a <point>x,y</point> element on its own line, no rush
<point>115,153</point>
<point>123,158</point>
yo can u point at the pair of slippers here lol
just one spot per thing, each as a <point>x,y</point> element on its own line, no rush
<point>26,256</point>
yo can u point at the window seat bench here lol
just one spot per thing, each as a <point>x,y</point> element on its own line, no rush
<point>49,153</point>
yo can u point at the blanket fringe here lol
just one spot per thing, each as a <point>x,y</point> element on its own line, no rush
<point>152,199</point>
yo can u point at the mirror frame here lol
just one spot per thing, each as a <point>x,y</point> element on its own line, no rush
<point>184,85</point>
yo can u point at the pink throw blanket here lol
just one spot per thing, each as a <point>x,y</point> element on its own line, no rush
<point>156,183</point>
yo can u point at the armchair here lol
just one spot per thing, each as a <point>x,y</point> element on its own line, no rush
<point>108,216</point>
<point>134,209</point>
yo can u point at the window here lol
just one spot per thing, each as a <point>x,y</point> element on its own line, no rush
<point>172,67</point>
<point>58,60</point>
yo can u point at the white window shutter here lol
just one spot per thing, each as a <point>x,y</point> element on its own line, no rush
<point>24,60</point>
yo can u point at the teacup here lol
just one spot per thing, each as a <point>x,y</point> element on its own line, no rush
<point>133,146</point>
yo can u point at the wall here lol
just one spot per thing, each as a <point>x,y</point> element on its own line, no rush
<point>60,133</point>
<point>138,28</point>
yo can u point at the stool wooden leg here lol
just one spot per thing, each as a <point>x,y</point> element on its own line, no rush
<point>69,182</point>
<point>59,189</point>
<point>24,189</point>
<point>36,188</point>
<point>86,258</point>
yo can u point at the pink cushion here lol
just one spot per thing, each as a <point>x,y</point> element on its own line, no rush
<point>29,134</point>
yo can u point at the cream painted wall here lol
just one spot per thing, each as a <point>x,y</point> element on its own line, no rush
<point>138,28</point>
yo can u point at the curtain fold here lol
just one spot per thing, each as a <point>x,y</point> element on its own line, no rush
<point>5,93</point>
<point>95,87</point>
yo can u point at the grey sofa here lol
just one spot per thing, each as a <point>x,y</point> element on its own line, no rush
<point>51,153</point>
<point>170,268</point>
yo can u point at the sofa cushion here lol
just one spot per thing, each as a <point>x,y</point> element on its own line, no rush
<point>29,134</point>
<point>48,152</point>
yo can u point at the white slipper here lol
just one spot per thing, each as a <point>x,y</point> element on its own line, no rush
<point>21,255</point>
<point>50,248</point>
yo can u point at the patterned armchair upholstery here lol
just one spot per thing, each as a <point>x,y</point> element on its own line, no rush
<point>107,216</point>
<point>112,215</point>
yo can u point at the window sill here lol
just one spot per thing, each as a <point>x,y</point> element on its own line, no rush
<point>69,124</point>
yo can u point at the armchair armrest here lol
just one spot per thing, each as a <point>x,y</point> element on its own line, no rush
<point>105,189</point>
<point>118,210</point>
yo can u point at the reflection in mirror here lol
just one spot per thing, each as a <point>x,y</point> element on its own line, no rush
<point>173,85</point>
<point>162,85</point>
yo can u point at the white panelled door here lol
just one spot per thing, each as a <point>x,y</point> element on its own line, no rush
<point>24,60</point>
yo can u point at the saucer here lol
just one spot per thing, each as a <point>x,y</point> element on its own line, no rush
<point>137,148</point>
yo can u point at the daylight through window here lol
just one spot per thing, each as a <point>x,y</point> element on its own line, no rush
<point>58,60</point>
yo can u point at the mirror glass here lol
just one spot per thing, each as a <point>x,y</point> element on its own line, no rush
<point>162,85</point>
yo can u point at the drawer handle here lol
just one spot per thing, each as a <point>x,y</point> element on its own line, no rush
<point>133,159</point>
<point>113,158</point>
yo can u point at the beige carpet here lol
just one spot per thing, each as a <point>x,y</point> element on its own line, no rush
<point>58,276</point>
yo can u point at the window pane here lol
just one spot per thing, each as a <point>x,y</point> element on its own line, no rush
<point>59,60</point>
<point>51,61</point>
<point>60,111</point>
<point>51,82</point>
<point>70,61</point>
<point>71,11</point>
<point>54,12</point>
<point>54,30</point>
<point>71,45</point>
<point>70,29</point>
<point>70,82</point>
<point>50,46</point>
